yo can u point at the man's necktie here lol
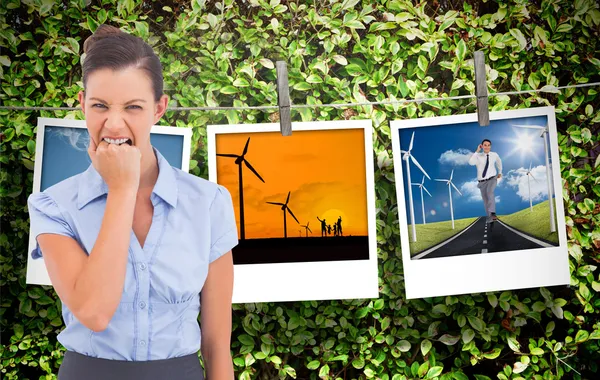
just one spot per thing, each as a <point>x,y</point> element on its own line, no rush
<point>487,163</point>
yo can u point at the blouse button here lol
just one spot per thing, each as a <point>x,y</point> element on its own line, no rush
<point>142,343</point>
<point>143,266</point>
<point>142,304</point>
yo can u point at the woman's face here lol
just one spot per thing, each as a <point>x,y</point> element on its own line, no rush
<point>119,107</point>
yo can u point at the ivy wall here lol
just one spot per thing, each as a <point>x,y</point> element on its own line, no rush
<point>223,53</point>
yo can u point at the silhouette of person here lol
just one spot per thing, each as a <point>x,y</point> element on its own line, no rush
<point>335,230</point>
<point>323,227</point>
<point>339,225</point>
<point>329,229</point>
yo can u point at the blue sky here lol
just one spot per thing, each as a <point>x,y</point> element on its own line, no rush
<point>439,149</point>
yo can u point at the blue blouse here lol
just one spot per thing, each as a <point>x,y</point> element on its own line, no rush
<point>193,225</point>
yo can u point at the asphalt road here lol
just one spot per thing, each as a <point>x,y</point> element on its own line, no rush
<point>482,238</point>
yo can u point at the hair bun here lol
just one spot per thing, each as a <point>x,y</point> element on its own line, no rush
<point>103,31</point>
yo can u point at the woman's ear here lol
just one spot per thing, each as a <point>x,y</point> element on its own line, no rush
<point>81,97</point>
<point>161,108</point>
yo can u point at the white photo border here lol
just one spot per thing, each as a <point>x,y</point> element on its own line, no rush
<point>508,270</point>
<point>326,280</point>
<point>37,273</point>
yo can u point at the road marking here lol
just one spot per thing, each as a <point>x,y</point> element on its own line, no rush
<point>485,235</point>
<point>536,241</point>
<point>425,253</point>
<point>484,250</point>
<point>485,242</point>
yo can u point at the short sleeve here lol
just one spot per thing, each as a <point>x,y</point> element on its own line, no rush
<point>223,226</point>
<point>45,217</point>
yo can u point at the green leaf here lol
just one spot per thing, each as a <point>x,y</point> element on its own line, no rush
<point>403,345</point>
<point>434,372</point>
<point>265,62</point>
<point>468,335</point>
<point>449,340</point>
<point>18,331</point>
<point>74,44</point>
<point>475,322</point>
<point>422,62</point>
<point>493,354</point>
<point>340,59</point>
<point>324,371</point>
<point>246,340</point>
<point>537,351</point>
<point>425,346</point>
<point>492,299</point>
<point>513,344</point>
<point>518,35</point>
<point>229,90</point>
<point>359,362</point>
<point>582,336</point>
<point>4,60</point>
<point>313,365</point>
<point>461,50</point>
<point>519,367</point>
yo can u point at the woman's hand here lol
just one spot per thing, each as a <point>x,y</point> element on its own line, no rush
<point>119,165</point>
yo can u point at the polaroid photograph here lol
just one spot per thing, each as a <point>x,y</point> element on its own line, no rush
<point>61,152</point>
<point>480,207</point>
<point>304,206</point>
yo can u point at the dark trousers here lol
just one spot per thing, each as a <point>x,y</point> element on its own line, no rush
<point>76,366</point>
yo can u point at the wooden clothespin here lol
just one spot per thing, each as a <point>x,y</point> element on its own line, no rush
<point>483,112</point>
<point>283,98</point>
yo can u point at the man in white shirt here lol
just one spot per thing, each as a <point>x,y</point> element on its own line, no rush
<point>489,171</point>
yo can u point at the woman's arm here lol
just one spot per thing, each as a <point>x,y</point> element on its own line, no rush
<point>215,319</point>
<point>91,286</point>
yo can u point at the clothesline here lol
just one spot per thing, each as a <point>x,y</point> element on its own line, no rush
<point>335,105</point>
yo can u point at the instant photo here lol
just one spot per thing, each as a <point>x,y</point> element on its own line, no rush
<point>304,207</point>
<point>478,206</point>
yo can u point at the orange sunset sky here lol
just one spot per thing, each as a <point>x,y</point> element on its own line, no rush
<point>324,170</point>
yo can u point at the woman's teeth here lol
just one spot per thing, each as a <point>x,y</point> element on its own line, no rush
<point>116,141</point>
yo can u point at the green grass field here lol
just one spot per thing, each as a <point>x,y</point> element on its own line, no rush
<point>535,223</point>
<point>431,234</point>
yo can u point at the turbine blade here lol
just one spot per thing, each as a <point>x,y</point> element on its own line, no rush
<point>253,170</point>
<point>228,155</point>
<point>412,139</point>
<point>288,199</point>
<point>455,188</point>
<point>529,165</point>
<point>424,188</point>
<point>423,180</point>
<point>414,160</point>
<point>276,203</point>
<point>451,174</point>
<point>416,184</point>
<point>533,177</point>
<point>528,126</point>
<point>441,180</point>
<point>309,230</point>
<point>246,147</point>
<point>292,214</point>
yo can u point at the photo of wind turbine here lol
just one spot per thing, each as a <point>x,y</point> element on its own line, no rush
<point>296,177</point>
<point>495,214</point>
<point>517,178</point>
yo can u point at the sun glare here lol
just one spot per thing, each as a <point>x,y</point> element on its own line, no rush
<point>522,144</point>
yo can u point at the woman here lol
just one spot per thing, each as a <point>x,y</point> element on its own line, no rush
<point>132,245</point>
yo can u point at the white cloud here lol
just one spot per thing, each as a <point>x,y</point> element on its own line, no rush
<point>471,191</point>
<point>456,157</point>
<point>517,179</point>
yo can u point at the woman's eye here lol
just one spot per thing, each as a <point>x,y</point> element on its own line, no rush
<point>134,107</point>
<point>98,105</point>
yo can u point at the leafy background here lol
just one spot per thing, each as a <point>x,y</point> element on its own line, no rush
<point>223,53</point>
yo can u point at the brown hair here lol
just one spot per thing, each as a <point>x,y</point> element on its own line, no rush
<point>111,48</point>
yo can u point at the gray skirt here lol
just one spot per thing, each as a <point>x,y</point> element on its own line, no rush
<point>76,366</point>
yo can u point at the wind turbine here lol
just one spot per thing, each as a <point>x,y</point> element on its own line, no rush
<point>407,157</point>
<point>449,182</point>
<point>543,134</point>
<point>307,228</point>
<point>422,187</point>
<point>284,208</point>
<point>239,159</point>
<point>529,186</point>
